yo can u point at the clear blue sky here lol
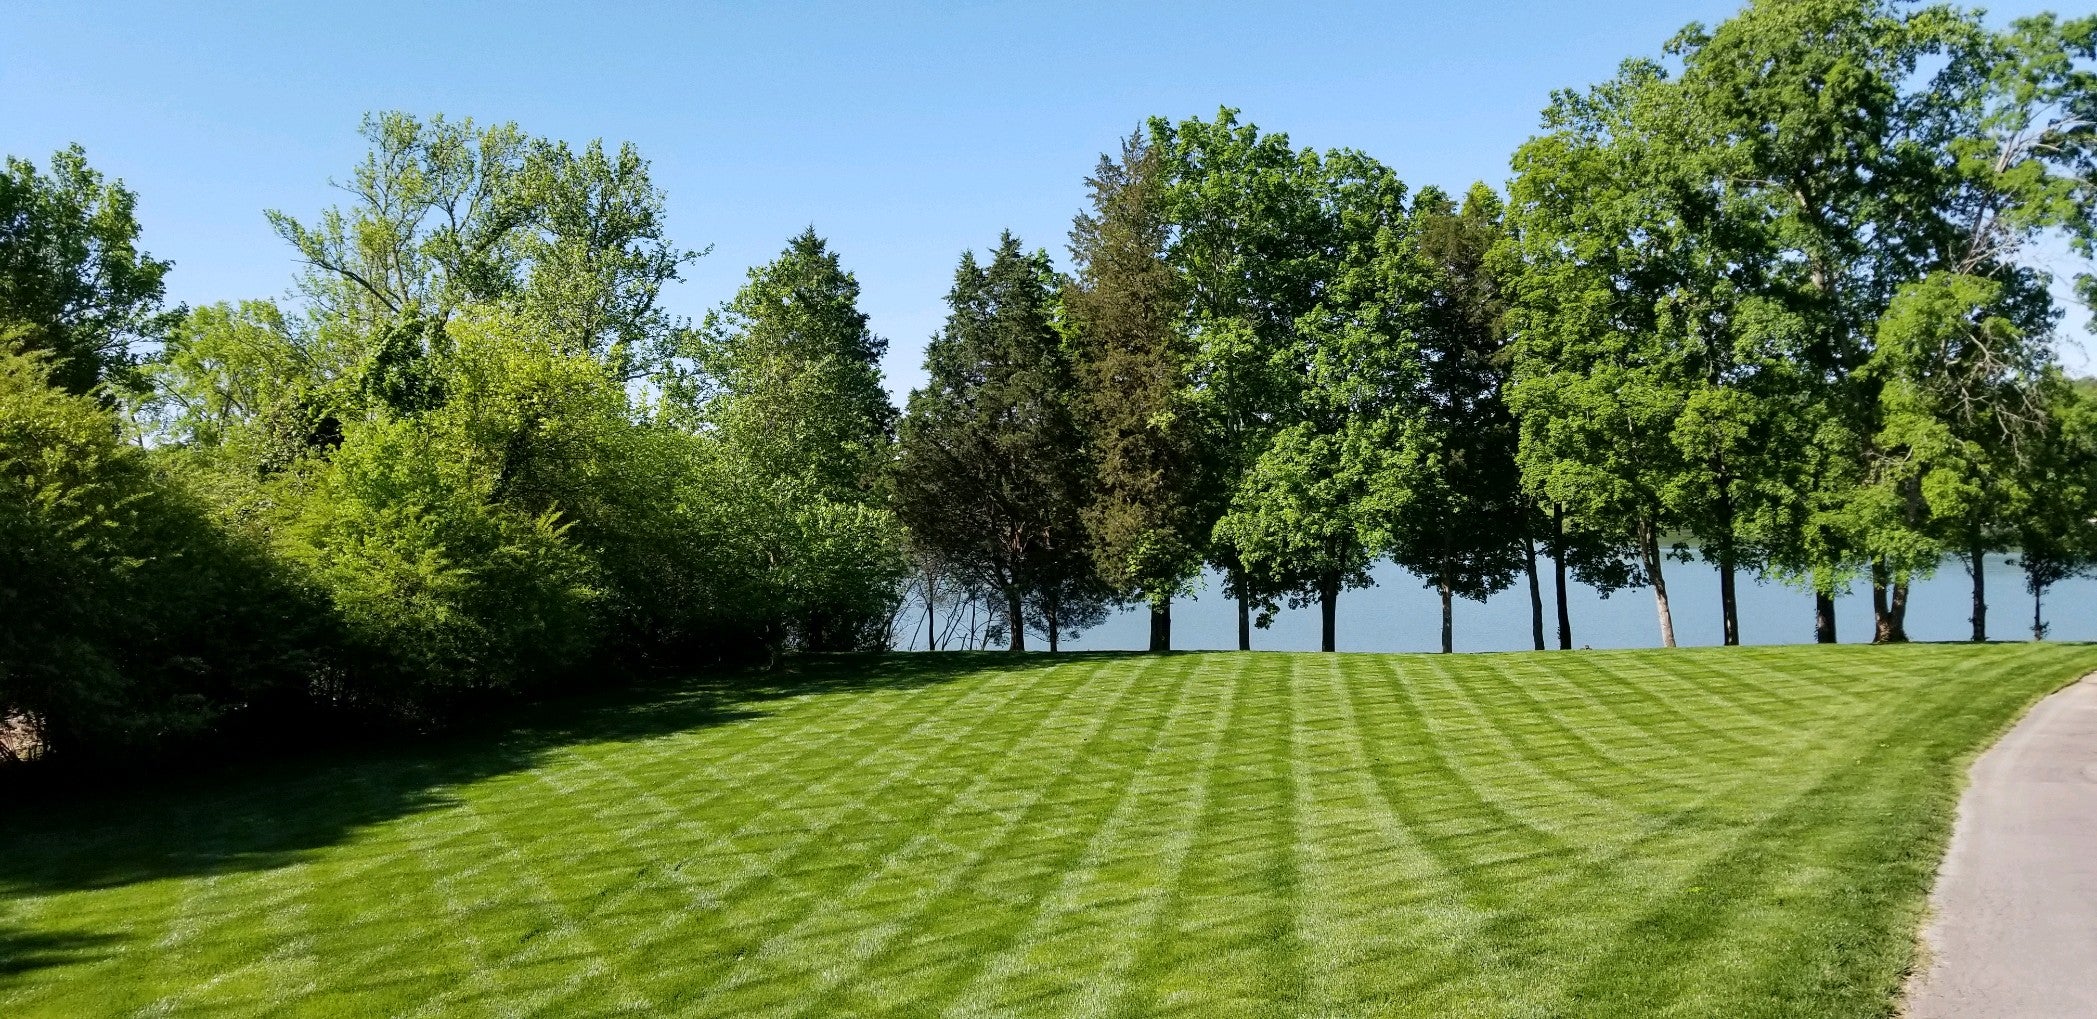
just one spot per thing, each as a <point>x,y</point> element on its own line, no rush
<point>904,133</point>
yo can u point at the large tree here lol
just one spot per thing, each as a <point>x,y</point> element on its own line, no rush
<point>447,214</point>
<point>1595,252</point>
<point>790,376</point>
<point>1461,520</point>
<point>72,278</point>
<point>1251,244</point>
<point>991,469</point>
<point>791,373</point>
<point>1133,364</point>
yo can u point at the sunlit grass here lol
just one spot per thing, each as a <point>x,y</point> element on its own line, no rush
<point>1701,832</point>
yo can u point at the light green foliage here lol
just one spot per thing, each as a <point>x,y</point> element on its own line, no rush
<point>791,391</point>
<point>1303,288</point>
<point>448,214</point>
<point>794,375</point>
<point>1739,832</point>
<point>72,279</point>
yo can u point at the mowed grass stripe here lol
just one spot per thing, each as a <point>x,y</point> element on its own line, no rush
<point>1700,832</point>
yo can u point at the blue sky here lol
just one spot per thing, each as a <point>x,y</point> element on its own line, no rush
<point>904,133</point>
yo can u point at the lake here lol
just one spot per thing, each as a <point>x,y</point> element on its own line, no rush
<point>1400,614</point>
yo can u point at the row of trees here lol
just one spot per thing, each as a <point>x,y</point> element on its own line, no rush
<point>1763,301</point>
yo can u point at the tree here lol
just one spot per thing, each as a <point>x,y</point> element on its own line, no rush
<point>72,278</point>
<point>1863,152</point>
<point>794,397</point>
<point>795,373</point>
<point>2056,522</point>
<point>1596,387</point>
<point>990,470</point>
<point>447,214</point>
<point>1461,520</point>
<point>1132,361</point>
<point>1306,520</point>
<point>1250,243</point>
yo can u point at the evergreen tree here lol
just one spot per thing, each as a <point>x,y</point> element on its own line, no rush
<point>991,471</point>
<point>794,374</point>
<point>1131,361</point>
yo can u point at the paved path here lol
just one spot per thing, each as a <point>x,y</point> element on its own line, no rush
<point>2014,925</point>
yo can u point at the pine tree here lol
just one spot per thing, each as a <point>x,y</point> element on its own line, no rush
<point>991,469</point>
<point>795,373</point>
<point>1126,304</point>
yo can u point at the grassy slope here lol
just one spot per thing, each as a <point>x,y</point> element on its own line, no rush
<point>1705,832</point>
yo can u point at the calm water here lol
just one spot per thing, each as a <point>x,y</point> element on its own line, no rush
<point>1399,614</point>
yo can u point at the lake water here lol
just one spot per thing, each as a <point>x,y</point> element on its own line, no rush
<point>1399,614</point>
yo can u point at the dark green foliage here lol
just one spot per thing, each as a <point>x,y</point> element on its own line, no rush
<point>1458,515</point>
<point>132,618</point>
<point>1134,371</point>
<point>991,473</point>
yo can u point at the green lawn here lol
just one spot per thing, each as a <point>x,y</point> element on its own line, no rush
<point>1701,832</point>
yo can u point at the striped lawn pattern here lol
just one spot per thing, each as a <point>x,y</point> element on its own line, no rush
<point>1700,833</point>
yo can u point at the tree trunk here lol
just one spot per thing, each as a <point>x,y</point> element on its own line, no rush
<point>1536,593</point>
<point>1729,604</point>
<point>1161,624</point>
<point>931,619</point>
<point>1244,611</point>
<point>1898,612</point>
<point>1328,603</point>
<point>1728,566</point>
<point>1881,620</point>
<point>1016,622</point>
<point>2038,621</point>
<point>1823,618</point>
<point>1654,574</point>
<point>1448,627</point>
<point>1565,617</point>
<point>1979,559</point>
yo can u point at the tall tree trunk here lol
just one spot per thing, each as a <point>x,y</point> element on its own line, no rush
<point>1055,644</point>
<point>2038,621</point>
<point>1161,624</point>
<point>1730,604</point>
<point>1448,620</point>
<point>1882,619</point>
<point>931,619</point>
<point>1015,621</point>
<point>1328,605</point>
<point>1823,617</point>
<point>1565,617</point>
<point>1651,551</point>
<point>1897,611</point>
<point>1244,610</point>
<point>1536,593</point>
<point>1979,559</point>
<point>1728,567</point>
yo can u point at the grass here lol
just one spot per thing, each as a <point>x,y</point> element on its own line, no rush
<point>1703,832</point>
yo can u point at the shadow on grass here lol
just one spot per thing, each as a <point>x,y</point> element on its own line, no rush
<point>264,813</point>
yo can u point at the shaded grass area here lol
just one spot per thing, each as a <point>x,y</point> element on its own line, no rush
<point>1745,831</point>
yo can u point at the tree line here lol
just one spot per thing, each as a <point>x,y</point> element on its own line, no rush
<point>1763,301</point>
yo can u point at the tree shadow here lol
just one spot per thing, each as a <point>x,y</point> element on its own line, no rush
<point>263,813</point>
<point>21,953</point>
